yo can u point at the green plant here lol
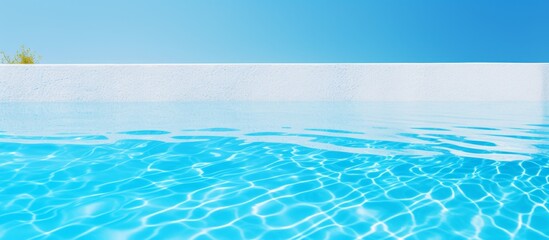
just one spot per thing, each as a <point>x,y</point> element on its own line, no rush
<point>23,56</point>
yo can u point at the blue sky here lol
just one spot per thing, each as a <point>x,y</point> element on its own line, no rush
<point>235,31</point>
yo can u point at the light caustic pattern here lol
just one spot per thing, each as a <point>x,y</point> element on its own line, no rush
<point>221,183</point>
<point>274,171</point>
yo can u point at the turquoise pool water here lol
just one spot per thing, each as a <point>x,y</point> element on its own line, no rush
<point>274,171</point>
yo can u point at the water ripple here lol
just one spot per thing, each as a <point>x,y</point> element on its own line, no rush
<point>423,183</point>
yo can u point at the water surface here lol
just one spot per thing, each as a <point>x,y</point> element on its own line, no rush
<point>274,171</point>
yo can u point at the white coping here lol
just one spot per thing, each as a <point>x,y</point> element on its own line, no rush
<point>274,82</point>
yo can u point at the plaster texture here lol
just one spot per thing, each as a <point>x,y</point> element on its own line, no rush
<point>274,82</point>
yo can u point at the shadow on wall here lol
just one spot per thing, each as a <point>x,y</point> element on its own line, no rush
<point>545,79</point>
<point>545,93</point>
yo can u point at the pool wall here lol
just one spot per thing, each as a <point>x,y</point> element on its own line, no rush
<point>274,82</point>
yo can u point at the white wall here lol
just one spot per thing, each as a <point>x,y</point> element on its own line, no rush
<point>278,82</point>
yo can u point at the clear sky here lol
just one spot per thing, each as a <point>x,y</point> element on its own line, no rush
<point>235,31</point>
